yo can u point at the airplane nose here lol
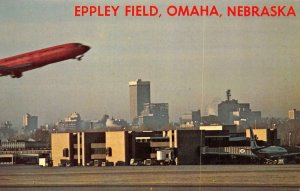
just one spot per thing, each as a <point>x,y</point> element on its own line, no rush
<point>87,48</point>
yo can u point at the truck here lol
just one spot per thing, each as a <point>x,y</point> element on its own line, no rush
<point>43,162</point>
<point>165,157</point>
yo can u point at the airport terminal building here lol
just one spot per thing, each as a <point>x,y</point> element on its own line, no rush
<point>119,147</point>
<point>217,144</point>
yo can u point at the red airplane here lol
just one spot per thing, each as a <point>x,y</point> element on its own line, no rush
<point>15,65</point>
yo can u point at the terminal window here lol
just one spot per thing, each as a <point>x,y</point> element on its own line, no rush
<point>109,151</point>
<point>65,152</point>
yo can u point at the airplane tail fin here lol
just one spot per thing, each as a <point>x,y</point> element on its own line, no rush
<point>253,143</point>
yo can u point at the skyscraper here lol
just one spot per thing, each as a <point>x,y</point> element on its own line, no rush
<point>139,94</point>
<point>73,121</point>
<point>294,114</point>
<point>155,116</point>
<point>232,112</point>
<point>30,123</point>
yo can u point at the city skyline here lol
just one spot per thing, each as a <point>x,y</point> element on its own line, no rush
<point>146,104</point>
<point>190,62</point>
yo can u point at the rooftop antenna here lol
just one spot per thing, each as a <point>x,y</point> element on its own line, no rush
<point>228,94</point>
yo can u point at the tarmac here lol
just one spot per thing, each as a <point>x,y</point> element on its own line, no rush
<point>202,177</point>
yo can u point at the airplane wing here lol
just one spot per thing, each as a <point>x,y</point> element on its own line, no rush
<point>291,155</point>
<point>228,158</point>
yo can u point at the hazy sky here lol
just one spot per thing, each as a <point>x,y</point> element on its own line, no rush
<point>190,61</point>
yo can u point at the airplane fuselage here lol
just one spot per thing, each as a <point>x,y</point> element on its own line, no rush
<point>15,65</point>
<point>270,152</point>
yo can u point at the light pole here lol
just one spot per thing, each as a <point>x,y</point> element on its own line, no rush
<point>290,133</point>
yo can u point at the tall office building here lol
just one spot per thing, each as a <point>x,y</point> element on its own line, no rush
<point>225,111</point>
<point>139,94</point>
<point>155,116</point>
<point>73,121</point>
<point>294,114</point>
<point>232,112</point>
<point>194,117</point>
<point>30,123</point>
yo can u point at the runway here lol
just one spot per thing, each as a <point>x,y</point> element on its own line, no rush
<point>205,177</point>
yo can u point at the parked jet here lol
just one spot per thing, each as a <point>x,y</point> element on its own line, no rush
<point>254,153</point>
<point>271,154</point>
<point>16,65</point>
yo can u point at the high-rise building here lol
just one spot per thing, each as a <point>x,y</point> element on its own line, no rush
<point>154,116</point>
<point>191,119</point>
<point>73,121</point>
<point>232,112</point>
<point>30,123</point>
<point>139,94</point>
<point>225,110</point>
<point>294,114</point>
<point>196,116</point>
